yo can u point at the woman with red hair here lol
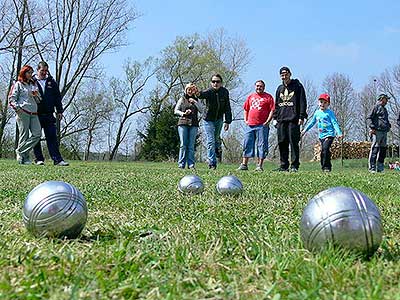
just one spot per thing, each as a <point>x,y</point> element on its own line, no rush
<point>24,97</point>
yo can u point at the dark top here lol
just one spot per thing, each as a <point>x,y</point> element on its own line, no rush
<point>51,97</point>
<point>290,102</point>
<point>217,104</point>
<point>379,118</point>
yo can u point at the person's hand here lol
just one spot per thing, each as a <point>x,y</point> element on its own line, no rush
<point>59,116</point>
<point>301,122</point>
<point>187,112</point>
<point>226,126</point>
<point>266,124</point>
<point>372,132</point>
<point>192,101</point>
<point>340,137</point>
<point>302,133</point>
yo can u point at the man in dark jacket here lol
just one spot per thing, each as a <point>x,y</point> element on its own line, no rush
<point>51,98</point>
<point>289,114</point>
<point>217,106</point>
<point>379,126</point>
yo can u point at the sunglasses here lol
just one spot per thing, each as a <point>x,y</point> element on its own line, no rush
<point>216,81</point>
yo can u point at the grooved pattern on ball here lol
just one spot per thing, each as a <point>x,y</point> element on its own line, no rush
<point>55,208</point>
<point>343,216</point>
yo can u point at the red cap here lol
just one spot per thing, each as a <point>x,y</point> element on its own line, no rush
<point>325,97</point>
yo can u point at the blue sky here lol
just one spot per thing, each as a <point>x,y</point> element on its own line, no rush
<point>314,38</point>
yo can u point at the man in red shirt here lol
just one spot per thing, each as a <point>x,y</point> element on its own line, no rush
<point>258,111</point>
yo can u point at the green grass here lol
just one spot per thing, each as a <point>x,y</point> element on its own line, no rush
<point>144,240</point>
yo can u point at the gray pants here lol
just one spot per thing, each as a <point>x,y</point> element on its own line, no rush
<point>378,151</point>
<point>27,124</point>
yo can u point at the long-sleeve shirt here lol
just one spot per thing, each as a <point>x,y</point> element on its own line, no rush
<point>20,97</point>
<point>327,123</point>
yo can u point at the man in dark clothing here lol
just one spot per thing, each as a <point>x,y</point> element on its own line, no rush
<point>217,106</point>
<point>51,98</point>
<point>379,126</point>
<point>289,114</point>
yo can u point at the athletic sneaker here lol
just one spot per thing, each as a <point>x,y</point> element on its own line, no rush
<point>62,164</point>
<point>40,163</point>
<point>259,169</point>
<point>293,169</point>
<point>243,167</point>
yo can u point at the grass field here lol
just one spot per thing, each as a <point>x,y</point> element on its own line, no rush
<point>144,240</point>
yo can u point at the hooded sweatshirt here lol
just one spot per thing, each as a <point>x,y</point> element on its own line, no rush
<point>290,102</point>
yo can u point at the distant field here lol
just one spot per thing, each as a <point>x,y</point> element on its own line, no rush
<point>145,240</point>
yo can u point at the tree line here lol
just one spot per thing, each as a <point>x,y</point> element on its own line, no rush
<point>131,116</point>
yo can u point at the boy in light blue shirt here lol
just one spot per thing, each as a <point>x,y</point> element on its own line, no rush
<point>328,128</point>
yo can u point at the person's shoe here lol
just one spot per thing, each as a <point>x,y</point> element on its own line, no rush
<point>280,169</point>
<point>40,163</point>
<point>259,168</point>
<point>18,157</point>
<point>294,170</point>
<point>26,162</point>
<point>213,167</point>
<point>380,171</point>
<point>62,164</point>
<point>371,171</point>
<point>326,170</point>
<point>192,167</point>
<point>218,153</point>
<point>243,167</point>
<point>181,167</point>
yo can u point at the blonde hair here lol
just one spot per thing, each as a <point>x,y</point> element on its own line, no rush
<point>189,86</point>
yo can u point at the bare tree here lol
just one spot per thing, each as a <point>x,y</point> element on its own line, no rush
<point>367,99</point>
<point>343,101</point>
<point>389,83</point>
<point>127,95</point>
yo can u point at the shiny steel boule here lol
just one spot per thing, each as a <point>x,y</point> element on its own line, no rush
<point>55,209</point>
<point>344,217</point>
<point>229,185</point>
<point>191,184</point>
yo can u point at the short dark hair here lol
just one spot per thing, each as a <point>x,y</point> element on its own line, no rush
<point>262,81</point>
<point>42,64</point>
<point>217,75</point>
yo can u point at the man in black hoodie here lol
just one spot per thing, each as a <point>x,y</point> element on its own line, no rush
<point>51,98</point>
<point>290,112</point>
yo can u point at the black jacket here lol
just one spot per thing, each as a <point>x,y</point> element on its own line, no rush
<point>51,97</point>
<point>379,118</point>
<point>217,104</point>
<point>290,102</point>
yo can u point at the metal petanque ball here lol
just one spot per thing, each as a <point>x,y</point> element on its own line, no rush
<point>344,217</point>
<point>191,184</point>
<point>55,209</point>
<point>229,185</point>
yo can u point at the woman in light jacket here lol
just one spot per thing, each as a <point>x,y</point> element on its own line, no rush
<point>23,98</point>
<point>188,108</point>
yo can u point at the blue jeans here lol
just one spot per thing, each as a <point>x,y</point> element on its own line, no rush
<point>187,136</point>
<point>256,134</point>
<point>212,130</point>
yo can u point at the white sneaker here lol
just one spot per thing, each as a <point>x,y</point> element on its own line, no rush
<point>40,163</point>
<point>62,164</point>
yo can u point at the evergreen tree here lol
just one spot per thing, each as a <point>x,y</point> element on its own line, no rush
<point>161,139</point>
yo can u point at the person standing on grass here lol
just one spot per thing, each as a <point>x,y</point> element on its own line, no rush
<point>328,128</point>
<point>24,99</point>
<point>187,108</point>
<point>258,110</point>
<point>379,127</point>
<point>290,112</point>
<point>51,98</point>
<point>217,114</point>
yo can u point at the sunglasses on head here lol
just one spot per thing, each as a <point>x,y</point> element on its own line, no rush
<point>216,81</point>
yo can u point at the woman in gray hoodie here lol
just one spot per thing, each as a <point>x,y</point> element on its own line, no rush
<point>23,98</point>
